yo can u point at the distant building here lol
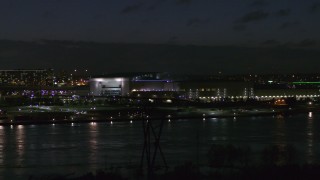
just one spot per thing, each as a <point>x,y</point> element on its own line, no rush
<point>211,90</point>
<point>160,85</point>
<point>67,79</point>
<point>27,78</point>
<point>163,85</point>
<point>109,86</point>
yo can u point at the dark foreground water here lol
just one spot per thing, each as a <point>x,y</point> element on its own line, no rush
<point>80,148</point>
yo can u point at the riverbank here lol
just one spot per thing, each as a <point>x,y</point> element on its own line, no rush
<point>28,115</point>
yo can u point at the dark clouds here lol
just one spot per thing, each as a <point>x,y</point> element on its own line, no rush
<point>239,27</point>
<point>305,43</point>
<point>289,24</point>
<point>110,58</point>
<point>315,7</point>
<point>261,15</point>
<point>173,40</point>
<point>308,43</point>
<point>254,16</point>
<point>283,12</point>
<point>155,4</point>
<point>201,22</point>
<point>270,42</point>
<point>197,21</point>
<point>150,5</point>
<point>47,14</point>
<point>259,3</point>
<point>132,8</point>
<point>183,1</point>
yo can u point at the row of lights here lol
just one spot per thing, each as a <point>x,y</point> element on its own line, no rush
<point>289,96</point>
<point>92,123</point>
<point>216,97</point>
<point>111,122</point>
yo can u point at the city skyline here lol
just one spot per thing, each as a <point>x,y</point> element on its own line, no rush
<point>105,58</point>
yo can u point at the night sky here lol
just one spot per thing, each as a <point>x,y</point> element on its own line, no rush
<point>232,36</point>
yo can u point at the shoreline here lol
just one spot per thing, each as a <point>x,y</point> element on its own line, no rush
<point>44,120</point>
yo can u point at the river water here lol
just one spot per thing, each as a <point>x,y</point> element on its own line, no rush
<point>80,148</point>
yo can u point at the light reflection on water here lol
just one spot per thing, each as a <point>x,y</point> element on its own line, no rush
<point>20,143</point>
<point>310,148</point>
<point>76,147</point>
<point>280,131</point>
<point>93,143</point>
<point>2,144</point>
